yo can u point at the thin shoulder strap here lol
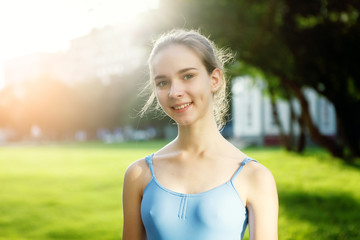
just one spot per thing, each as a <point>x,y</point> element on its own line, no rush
<point>149,160</point>
<point>245,161</point>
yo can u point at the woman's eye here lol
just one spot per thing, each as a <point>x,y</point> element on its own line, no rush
<point>188,76</point>
<point>161,84</point>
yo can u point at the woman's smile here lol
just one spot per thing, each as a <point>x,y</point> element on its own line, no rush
<point>179,108</point>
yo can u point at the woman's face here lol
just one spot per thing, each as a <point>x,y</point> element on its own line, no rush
<point>183,87</point>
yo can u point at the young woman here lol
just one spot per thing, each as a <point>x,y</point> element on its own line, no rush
<point>199,186</point>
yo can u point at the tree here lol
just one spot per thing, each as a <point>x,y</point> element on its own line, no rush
<point>312,43</point>
<point>323,37</point>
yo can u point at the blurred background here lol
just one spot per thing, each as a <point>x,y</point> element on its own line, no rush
<point>72,72</point>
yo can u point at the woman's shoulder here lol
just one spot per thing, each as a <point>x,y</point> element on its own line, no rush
<point>137,167</point>
<point>260,180</point>
<point>257,173</point>
<point>138,173</point>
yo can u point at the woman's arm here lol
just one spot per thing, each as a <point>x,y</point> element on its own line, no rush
<point>262,204</point>
<point>133,228</point>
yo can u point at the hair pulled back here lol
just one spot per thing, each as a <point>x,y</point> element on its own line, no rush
<point>211,57</point>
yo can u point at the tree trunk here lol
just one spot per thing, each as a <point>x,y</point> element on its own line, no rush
<point>301,143</point>
<point>301,140</point>
<point>283,138</point>
<point>314,132</point>
<point>291,126</point>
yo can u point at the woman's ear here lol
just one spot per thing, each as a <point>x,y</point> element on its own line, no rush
<point>215,80</point>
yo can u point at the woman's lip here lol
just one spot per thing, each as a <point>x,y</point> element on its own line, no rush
<point>181,106</point>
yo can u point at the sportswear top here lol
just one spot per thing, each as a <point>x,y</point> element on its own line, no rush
<point>216,214</point>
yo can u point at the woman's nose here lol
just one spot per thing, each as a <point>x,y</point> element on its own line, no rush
<point>176,90</point>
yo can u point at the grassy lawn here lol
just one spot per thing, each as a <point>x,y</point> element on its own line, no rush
<point>74,191</point>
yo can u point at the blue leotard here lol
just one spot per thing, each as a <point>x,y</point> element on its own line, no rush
<point>217,214</point>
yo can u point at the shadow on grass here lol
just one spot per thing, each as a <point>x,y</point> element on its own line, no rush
<point>333,215</point>
<point>355,163</point>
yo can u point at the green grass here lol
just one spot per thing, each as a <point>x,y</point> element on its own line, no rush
<point>73,191</point>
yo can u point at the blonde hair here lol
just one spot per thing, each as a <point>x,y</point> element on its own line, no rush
<point>212,58</point>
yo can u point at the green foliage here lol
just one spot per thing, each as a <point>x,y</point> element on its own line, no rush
<point>312,43</point>
<point>74,191</point>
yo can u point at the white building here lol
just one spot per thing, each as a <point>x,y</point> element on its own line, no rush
<point>252,113</point>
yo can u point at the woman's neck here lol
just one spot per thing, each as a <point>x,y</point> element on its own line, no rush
<point>199,137</point>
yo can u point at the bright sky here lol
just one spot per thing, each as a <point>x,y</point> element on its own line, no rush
<point>28,26</point>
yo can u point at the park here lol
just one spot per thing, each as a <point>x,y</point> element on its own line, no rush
<point>71,121</point>
<point>73,191</point>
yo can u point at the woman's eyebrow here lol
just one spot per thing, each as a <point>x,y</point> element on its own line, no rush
<point>159,77</point>
<point>186,69</point>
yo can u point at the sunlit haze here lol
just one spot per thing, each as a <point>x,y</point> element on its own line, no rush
<point>48,25</point>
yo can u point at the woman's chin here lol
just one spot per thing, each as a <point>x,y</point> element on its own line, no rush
<point>183,122</point>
